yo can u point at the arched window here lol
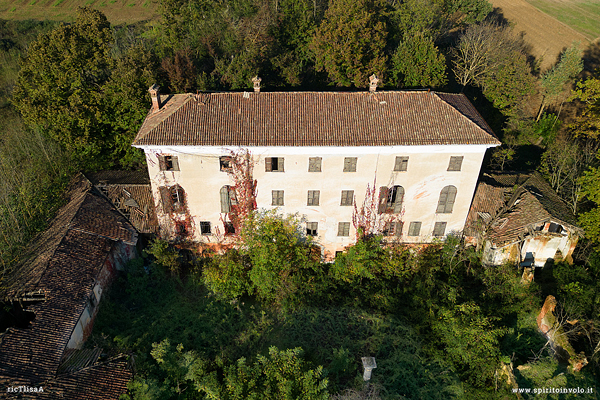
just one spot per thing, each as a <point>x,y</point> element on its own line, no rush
<point>446,202</point>
<point>390,199</point>
<point>227,198</point>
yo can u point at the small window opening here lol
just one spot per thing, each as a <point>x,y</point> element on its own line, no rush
<point>225,163</point>
<point>205,228</point>
<point>312,228</point>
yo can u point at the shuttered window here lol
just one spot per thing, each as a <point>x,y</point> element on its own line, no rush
<point>390,199</point>
<point>344,229</point>
<point>350,164</point>
<point>455,163</point>
<point>227,198</point>
<point>393,229</point>
<point>414,229</point>
<point>312,228</point>
<point>277,197</point>
<point>439,229</point>
<point>401,163</point>
<point>446,202</point>
<point>168,163</point>
<point>347,198</point>
<point>314,164</point>
<point>313,198</point>
<point>274,164</point>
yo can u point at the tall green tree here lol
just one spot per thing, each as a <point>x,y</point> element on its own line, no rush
<point>417,62</point>
<point>58,88</point>
<point>350,42</point>
<point>553,82</point>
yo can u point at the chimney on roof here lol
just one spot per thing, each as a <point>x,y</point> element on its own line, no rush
<point>373,81</point>
<point>155,94</point>
<point>256,81</point>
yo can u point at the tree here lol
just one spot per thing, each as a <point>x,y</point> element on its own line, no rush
<point>588,123</point>
<point>417,62</point>
<point>59,85</point>
<point>350,42</point>
<point>553,82</point>
<point>590,188</point>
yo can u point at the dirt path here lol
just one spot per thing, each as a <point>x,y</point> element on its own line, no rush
<point>546,35</point>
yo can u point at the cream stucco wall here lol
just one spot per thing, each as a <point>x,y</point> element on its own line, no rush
<point>200,176</point>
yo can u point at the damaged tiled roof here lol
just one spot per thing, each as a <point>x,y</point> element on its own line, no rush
<point>516,203</point>
<point>315,119</point>
<point>68,258</point>
<point>131,193</point>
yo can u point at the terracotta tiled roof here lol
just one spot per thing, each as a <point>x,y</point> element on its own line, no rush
<point>131,193</point>
<point>516,203</point>
<point>68,258</point>
<point>315,119</point>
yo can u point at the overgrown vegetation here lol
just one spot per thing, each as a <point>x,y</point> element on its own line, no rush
<point>232,325</point>
<point>437,321</point>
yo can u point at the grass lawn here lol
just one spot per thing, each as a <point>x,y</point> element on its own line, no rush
<point>117,11</point>
<point>581,15</point>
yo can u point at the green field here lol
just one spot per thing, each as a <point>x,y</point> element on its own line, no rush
<point>117,11</point>
<point>581,15</point>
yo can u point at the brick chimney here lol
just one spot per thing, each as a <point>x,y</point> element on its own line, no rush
<point>155,94</point>
<point>373,81</point>
<point>256,81</point>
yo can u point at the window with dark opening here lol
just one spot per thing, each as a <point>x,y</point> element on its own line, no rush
<point>205,228</point>
<point>312,228</point>
<point>225,163</point>
<point>172,199</point>
<point>390,199</point>
<point>168,163</point>
<point>181,228</point>
<point>229,228</point>
<point>274,164</point>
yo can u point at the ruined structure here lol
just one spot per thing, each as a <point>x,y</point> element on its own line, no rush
<point>315,153</point>
<point>56,294</point>
<point>518,218</point>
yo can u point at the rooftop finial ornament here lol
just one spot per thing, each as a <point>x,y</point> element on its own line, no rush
<point>256,81</point>
<point>373,81</point>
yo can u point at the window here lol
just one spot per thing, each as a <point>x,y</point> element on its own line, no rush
<point>229,228</point>
<point>180,228</point>
<point>455,163</point>
<point>344,229</point>
<point>446,202</point>
<point>274,164</point>
<point>350,164</point>
<point>313,198</point>
<point>225,163</point>
<point>314,164</point>
<point>312,228</point>
<point>277,197</point>
<point>168,163</point>
<point>414,229</point>
<point>172,198</point>
<point>228,198</point>
<point>347,198</point>
<point>393,229</point>
<point>401,164</point>
<point>390,199</point>
<point>205,228</point>
<point>439,229</point>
